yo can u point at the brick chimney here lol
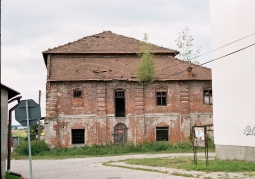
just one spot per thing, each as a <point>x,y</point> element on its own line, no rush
<point>189,69</point>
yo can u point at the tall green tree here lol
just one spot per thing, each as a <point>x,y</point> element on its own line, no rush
<point>185,43</point>
<point>145,70</point>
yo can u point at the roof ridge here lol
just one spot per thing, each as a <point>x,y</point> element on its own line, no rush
<point>157,48</point>
<point>77,40</point>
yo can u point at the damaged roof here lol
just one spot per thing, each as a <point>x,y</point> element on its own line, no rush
<point>108,56</point>
<point>122,68</point>
<point>106,42</point>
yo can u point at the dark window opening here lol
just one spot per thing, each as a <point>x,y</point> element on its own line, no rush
<point>78,136</point>
<point>162,133</point>
<point>77,94</point>
<point>208,100</point>
<point>120,104</point>
<point>161,98</point>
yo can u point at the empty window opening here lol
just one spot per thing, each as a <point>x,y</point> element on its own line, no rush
<point>77,94</point>
<point>120,104</point>
<point>161,98</point>
<point>78,136</point>
<point>162,133</point>
<point>208,100</point>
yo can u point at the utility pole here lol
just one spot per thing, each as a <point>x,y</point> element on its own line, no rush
<point>39,122</point>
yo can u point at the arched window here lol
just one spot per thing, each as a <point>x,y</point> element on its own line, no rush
<point>120,133</point>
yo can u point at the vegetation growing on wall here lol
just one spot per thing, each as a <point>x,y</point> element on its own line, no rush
<point>145,70</point>
<point>185,43</point>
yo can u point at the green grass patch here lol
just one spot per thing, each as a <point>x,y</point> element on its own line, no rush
<point>188,164</point>
<point>41,151</point>
<point>36,148</point>
<point>9,176</point>
<point>20,133</point>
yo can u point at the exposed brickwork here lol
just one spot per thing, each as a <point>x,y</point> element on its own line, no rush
<point>97,114</point>
<point>99,65</point>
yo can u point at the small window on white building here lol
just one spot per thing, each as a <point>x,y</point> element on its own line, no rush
<point>78,136</point>
<point>208,100</point>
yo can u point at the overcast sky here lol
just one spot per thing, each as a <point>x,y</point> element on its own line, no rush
<point>29,27</point>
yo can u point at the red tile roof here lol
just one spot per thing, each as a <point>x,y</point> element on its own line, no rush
<point>108,56</point>
<point>121,68</point>
<point>106,42</point>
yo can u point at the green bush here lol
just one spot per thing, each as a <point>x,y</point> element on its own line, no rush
<point>36,148</point>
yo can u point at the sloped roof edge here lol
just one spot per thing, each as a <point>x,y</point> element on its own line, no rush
<point>11,92</point>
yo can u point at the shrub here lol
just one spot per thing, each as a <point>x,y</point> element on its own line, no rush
<point>36,148</point>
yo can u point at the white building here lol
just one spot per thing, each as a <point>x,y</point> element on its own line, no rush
<point>233,78</point>
<point>6,94</point>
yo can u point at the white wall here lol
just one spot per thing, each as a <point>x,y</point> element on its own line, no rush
<point>233,76</point>
<point>4,126</point>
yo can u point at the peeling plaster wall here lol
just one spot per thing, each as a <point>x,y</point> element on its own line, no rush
<point>95,111</point>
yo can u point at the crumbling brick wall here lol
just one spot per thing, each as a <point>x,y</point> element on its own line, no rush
<point>95,111</point>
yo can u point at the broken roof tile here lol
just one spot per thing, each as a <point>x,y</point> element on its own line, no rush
<point>106,42</point>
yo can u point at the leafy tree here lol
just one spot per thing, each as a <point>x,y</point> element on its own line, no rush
<point>184,43</point>
<point>145,70</point>
<point>34,131</point>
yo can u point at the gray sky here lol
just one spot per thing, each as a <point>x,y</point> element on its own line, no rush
<point>29,27</point>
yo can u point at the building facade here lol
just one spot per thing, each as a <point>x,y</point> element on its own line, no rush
<point>233,78</point>
<point>93,94</point>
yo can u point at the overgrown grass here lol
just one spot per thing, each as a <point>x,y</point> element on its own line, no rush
<point>41,151</point>
<point>36,148</point>
<point>187,164</point>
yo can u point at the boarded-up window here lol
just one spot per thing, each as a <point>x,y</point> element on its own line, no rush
<point>162,133</point>
<point>120,133</point>
<point>78,136</point>
<point>208,100</point>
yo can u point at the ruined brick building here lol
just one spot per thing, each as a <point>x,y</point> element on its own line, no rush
<point>93,95</point>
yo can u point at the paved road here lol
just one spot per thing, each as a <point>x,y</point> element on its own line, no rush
<point>87,168</point>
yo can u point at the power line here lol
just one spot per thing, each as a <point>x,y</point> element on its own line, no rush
<point>215,59</point>
<point>209,51</point>
<point>224,46</point>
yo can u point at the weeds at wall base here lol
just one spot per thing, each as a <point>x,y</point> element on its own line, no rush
<point>41,150</point>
